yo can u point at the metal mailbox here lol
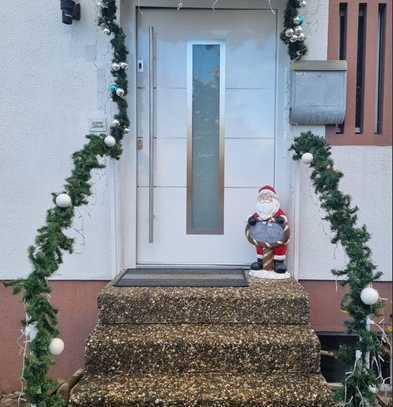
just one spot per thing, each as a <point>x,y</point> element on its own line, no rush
<point>318,92</point>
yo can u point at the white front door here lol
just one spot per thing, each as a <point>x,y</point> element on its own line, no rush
<point>206,83</point>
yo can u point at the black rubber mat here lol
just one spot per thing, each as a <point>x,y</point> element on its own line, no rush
<point>178,277</point>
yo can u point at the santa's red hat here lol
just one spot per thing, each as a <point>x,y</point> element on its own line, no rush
<point>267,187</point>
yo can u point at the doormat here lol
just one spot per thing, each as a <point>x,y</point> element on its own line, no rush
<point>171,277</point>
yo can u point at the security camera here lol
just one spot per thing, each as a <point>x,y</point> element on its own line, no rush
<point>70,11</point>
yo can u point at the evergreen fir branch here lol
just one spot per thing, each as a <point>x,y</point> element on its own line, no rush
<point>358,273</point>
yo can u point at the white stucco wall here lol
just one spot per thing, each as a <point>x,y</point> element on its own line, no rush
<point>53,80</point>
<point>368,179</point>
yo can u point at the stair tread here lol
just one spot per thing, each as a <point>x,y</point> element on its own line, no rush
<point>264,301</point>
<point>273,390</point>
<point>257,288</point>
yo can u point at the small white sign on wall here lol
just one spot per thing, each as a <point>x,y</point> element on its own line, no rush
<point>97,125</point>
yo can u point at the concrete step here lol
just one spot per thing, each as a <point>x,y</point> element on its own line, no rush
<point>269,302</point>
<point>203,390</point>
<point>202,348</point>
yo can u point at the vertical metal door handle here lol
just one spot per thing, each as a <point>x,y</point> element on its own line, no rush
<point>151,134</point>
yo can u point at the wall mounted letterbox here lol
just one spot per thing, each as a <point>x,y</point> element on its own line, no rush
<point>318,92</point>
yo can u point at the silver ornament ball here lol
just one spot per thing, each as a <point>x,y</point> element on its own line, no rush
<point>298,29</point>
<point>123,65</point>
<point>120,92</point>
<point>294,38</point>
<point>115,123</point>
<point>110,141</point>
<point>63,201</point>
<point>106,31</point>
<point>301,37</point>
<point>369,296</point>
<point>289,32</point>
<point>126,130</point>
<point>115,66</point>
<point>307,158</point>
<point>302,3</point>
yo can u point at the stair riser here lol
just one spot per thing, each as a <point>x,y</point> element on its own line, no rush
<point>190,310</point>
<point>103,402</point>
<point>212,390</point>
<point>105,358</point>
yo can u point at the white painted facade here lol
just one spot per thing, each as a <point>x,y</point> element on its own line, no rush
<point>55,82</point>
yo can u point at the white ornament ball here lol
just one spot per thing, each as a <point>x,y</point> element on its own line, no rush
<point>294,38</point>
<point>123,65</point>
<point>373,389</point>
<point>115,123</point>
<point>120,92</point>
<point>307,158</point>
<point>289,32</point>
<point>302,3</point>
<point>369,296</point>
<point>31,331</point>
<point>110,141</point>
<point>106,31</point>
<point>56,346</point>
<point>301,37</point>
<point>126,130</point>
<point>63,201</point>
<point>115,66</point>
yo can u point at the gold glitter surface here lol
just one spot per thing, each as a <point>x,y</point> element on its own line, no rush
<point>203,389</point>
<point>264,301</point>
<point>193,348</point>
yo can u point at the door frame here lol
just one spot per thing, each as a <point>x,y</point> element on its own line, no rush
<point>126,177</point>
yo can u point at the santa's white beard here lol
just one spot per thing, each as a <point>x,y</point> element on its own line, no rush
<point>267,209</point>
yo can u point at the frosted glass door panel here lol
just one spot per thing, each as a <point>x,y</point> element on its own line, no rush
<point>205,188</point>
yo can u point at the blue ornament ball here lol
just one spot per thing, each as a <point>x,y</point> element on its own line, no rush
<point>298,20</point>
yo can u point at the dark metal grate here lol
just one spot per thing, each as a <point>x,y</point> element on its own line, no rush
<point>182,277</point>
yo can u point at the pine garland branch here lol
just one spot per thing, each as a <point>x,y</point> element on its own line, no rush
<point>51,242</point>
<point>359,272</point>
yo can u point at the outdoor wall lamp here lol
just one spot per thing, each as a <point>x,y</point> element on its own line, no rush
<point>70,11</point>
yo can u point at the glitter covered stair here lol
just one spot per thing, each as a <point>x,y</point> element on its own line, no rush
<point>264,302</point>
<point>203,389</point>
<point>203,346</point>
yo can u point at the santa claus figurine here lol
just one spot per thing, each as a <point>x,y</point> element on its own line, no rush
<point>268,211</point>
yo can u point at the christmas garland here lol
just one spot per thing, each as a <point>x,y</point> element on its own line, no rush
<point>292,34</point>
<point>362,301</point>
<point>51,242</point>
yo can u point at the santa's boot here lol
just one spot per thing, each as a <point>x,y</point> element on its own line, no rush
<point>279,266</point>
<point>257,265</point>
